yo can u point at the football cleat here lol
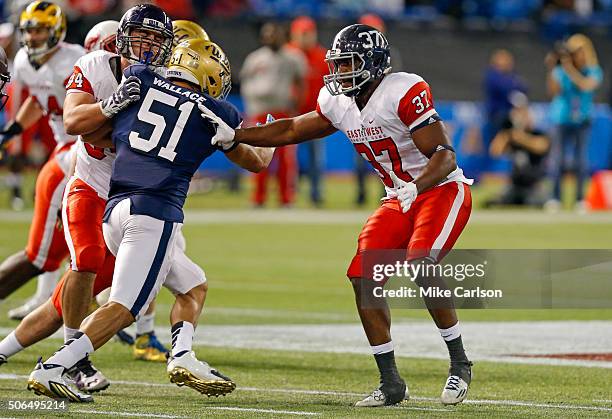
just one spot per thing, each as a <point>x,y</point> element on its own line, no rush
<point>187,370</point>
<point>29,306</point>
<point>47,380</point>
<point>86,377</point>
<point>124,337</point>
<point>457,384</point>
<point>148,348</point>
<point>3,359</point>
<point>386,395</point>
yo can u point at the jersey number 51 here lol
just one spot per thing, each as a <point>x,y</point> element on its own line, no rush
<point>159,124</point>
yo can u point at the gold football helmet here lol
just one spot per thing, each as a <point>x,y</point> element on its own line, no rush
<point>42,14</point>
<point>203,63</point>
<point>186,29</point>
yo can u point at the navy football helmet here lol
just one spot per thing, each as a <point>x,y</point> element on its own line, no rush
<point>365,50</point>
<point>141,49</point>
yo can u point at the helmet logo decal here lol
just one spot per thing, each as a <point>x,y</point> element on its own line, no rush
<point>372,39</point>
<point>152,22</point>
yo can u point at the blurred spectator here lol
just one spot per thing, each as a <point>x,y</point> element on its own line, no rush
<point>271,80</point>
<point>304,39</point>
<point>573,76</point>
<point>500,82</point>
<point>527,148</point>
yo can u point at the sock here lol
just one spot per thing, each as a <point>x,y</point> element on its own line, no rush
<point>46,284</point>
<point>182,338</point>
<point>385,360</point>
<point>452,338</point>
<point>10,345</point>
<point>69,333</point>
<point>145,324</point>
<point>72,352</point>
<point>14,182</point>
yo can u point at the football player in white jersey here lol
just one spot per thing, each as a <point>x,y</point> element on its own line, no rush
<point>392,122</point>
<point>48,317</point>
<point>143,33</point>
<point>43,64</point>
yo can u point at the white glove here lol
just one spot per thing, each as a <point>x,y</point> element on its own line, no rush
<point>406,191</point>
<point>127,92</point>
<point>224,136</point>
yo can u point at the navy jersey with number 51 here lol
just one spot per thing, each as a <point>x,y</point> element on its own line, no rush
<point>161,140</point>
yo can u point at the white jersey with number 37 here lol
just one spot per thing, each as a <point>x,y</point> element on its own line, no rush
<point>381,131</point>
<point>93,74</point>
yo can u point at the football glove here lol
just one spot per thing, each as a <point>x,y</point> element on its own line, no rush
<point>9,132</point>
<point>127,92</point>
<point>406,191</point>
<point>224,134</point>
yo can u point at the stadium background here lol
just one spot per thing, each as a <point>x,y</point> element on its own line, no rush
<point>447,42</point>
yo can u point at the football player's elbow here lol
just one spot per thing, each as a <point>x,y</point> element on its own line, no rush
<point>71,125</point>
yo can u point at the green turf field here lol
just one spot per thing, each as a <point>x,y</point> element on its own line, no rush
<point>287,268</point>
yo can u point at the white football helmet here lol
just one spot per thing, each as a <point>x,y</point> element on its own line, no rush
<point>103,36</point>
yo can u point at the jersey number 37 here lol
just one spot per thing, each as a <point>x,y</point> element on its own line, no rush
<point>159,124</point>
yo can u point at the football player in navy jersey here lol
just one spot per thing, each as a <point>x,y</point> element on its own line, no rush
<point>161,140</point>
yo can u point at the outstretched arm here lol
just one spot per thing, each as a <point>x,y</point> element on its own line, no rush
<point>253,159</point>
<point>286,131</point>
<point>278,133</point>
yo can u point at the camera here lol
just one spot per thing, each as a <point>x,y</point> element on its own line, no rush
<point>560,49</point>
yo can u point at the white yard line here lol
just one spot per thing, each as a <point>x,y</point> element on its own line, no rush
<point>125,414</point>
<point>520,403</point>
<point>486,341</point>
<point>249,409</point>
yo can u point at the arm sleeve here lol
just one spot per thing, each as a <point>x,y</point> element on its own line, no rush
<point>416,108</point>
<point>596,73</point>
<point>78,82</point>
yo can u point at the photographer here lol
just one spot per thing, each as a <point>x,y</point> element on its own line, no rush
<point>527,149</point>
<point>573,76</point>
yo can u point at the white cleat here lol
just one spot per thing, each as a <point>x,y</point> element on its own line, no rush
<point>187,370</point>
<point>86,377</point>
<point>454,391</point>
<point>47,380</point>
<point>29,306</point>
<point>378,398</point>
<point>456,388</point>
